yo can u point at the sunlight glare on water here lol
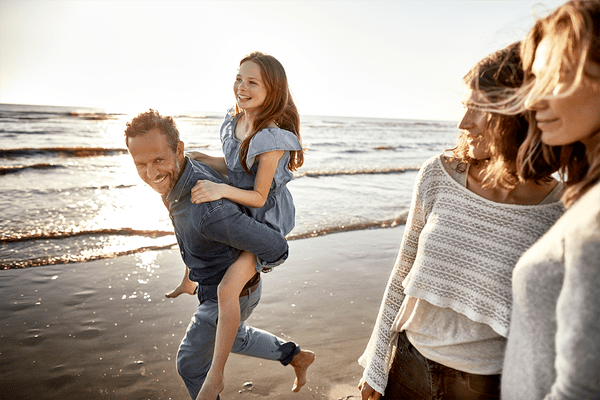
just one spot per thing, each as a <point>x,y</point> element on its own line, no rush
<point>138,207</point>
<point>146,269</point>
<point>71,193</point>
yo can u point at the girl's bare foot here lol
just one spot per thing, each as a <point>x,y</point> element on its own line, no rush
<point>301,362</point>
<point>187,286</point>
<point>211,388</point>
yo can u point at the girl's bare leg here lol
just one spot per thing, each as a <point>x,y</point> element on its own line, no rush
<point>186,286</point>
<point>236,277</point>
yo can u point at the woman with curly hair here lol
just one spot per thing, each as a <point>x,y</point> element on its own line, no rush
<point>442,326</point>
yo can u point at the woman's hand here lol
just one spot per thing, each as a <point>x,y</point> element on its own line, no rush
<point>205,191</point>
<point>367,392</point>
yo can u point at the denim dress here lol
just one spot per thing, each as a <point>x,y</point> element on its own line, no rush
<point>278,211</point>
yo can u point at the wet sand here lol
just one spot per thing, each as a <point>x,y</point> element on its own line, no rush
<point>103,329</point>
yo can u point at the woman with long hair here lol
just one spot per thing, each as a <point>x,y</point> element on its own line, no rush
<point>553,349</point>
<point>442,326</point>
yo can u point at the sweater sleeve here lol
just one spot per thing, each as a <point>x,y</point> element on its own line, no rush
<point>377,357</point>
<point>578,314</point>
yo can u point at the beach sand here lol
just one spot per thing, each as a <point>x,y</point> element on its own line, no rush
<point>103,329</point>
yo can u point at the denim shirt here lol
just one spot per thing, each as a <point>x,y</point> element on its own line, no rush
<point>211,235</point>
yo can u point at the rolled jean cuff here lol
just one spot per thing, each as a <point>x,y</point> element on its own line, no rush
<point>265,266</point>
<point>291,349</point>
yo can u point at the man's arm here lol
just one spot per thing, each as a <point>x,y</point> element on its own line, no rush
<point>226,223</point>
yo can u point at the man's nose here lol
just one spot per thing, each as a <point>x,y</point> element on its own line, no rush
<point>152,172</point>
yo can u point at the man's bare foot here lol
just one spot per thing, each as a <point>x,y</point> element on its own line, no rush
<point>301,362</point>
<point>211,388</point>
<point>184,287</point>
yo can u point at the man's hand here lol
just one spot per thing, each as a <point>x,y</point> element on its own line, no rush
<point>367,392</point>
<point>205,191</point>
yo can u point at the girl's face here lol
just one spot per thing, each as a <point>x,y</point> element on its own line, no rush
<point>567,119</point>
<point>249,88</point>
<point>474,126</point>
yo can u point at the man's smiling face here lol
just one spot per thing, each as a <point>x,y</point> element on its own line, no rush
<point>154,160</point>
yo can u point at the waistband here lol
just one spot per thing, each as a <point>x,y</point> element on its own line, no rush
<point>209,292</point>
<point>405,345</point>
<point>251,286</point>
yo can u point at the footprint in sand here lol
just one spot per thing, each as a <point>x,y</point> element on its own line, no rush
<point>78,298</point>
<point>131,374</point>
<point>34,337</point>
<point>61,376</point>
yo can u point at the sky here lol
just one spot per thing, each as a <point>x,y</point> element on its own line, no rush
<point>381,59</point>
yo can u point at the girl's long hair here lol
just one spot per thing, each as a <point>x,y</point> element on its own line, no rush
<point>278,107</point>
<point>574,29</point>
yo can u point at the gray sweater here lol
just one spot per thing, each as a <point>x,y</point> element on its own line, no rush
<point>553,349</point>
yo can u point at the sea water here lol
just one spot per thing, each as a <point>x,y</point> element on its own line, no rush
<point>70,192</point>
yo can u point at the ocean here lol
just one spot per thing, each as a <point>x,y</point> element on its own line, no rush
<point>70,192</point>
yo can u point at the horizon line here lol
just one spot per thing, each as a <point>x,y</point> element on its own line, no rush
<point>103,109</point>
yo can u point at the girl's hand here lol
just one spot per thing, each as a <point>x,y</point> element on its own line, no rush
<point>196,155</point>
<point>367,392</point>
<point>216,163</point>
<point>205,191</point>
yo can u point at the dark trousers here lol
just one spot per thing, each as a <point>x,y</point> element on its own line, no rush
<point>414,377</point>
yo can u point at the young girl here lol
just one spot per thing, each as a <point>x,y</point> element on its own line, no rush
<point>553,349</point>
<point>262,146</point>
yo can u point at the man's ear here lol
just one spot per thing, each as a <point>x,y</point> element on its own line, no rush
<point>180,151</point>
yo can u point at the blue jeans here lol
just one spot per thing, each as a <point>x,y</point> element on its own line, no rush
<point>197,347</point>
<point>414,377</point>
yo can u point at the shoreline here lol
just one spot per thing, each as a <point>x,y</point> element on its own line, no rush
<point>400,219</point>
<point>103,329</point>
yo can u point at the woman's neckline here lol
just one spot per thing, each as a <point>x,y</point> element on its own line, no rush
<point>495,199</point>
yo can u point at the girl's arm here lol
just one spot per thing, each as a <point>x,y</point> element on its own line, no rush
<point>216,163</point>
<point>267,165</point>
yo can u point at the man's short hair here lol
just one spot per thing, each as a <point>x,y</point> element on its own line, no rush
<point>149,120</point>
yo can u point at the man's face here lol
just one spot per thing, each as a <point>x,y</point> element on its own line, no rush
<point>156,163</point>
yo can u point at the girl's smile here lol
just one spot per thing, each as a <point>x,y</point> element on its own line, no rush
<point>249,88</point>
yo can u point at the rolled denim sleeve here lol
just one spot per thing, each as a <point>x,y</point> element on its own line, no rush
<point>226,223</point>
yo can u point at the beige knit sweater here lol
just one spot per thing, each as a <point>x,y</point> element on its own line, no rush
<point>458,251</point>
